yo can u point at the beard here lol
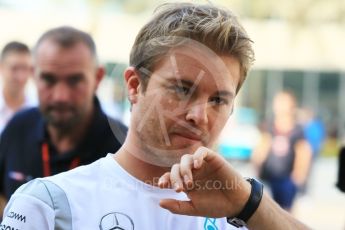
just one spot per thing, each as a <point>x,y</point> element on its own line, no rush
<point>62,116</point>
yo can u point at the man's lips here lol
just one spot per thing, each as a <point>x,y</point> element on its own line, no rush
<point>188,136</point>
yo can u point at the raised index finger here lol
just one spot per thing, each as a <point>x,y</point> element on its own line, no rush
<point>200,155</point>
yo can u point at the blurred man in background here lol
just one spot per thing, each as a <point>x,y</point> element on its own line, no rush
<point>284,156</point>
<point>69,128</point>
<point>15,70</point>
<point>314,129</point>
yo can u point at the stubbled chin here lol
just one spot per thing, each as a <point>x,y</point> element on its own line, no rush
<point>184,145</point>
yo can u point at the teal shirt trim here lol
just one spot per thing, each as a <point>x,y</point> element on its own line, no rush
<point>210,224</point>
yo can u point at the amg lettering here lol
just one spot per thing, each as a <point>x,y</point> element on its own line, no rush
<point>6,227</point>
<point>17,216</point>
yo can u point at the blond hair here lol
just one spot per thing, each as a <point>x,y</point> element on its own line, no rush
<point>214,27</point>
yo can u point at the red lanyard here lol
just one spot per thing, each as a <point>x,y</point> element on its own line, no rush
<point>46,161</point>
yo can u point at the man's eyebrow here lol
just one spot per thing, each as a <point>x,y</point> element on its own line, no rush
<point>225,93</point>
<point>75,75</point>
<point>189,83</point>
<point>47,74</point>
<point>181,81</point>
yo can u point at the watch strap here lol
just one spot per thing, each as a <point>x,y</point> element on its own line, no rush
<point>251,205</point>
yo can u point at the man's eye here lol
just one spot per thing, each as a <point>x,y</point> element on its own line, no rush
<point>182,90</point>
<point>218,101</point>
<point>73,81</point>
<point>48,80</point>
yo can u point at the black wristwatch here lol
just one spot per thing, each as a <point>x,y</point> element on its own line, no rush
<point>250,207</point>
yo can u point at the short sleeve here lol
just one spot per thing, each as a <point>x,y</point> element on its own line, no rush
<point>26,212</point>
<point>297,135</point>
<point>38,204</point>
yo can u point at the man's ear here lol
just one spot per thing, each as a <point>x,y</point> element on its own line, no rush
<point>35,74</point>
<point>100,72</point>
<point>132,83</point>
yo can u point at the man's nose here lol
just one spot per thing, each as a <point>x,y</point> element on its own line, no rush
<point>23,76</point>
<point>61,93</point>
<point>21,73</point>
<point>197,114</point>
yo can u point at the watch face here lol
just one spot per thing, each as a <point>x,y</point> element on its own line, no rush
<point>236,222</point>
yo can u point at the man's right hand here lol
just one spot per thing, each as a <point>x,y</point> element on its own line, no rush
<point>214,188</point>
